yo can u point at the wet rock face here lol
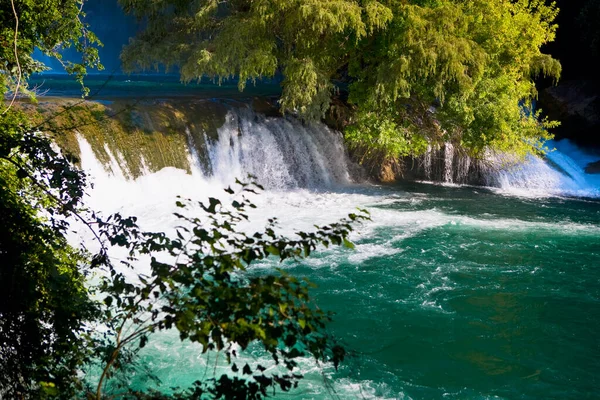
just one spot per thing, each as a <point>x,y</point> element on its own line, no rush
<point>593,168</point>
<point>139,135</point>
<point>576,104</point>
<point>447,164</point>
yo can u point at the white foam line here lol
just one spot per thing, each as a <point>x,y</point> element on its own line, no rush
<point>426,219</point>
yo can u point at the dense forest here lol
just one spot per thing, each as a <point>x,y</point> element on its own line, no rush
<point>398,77</point>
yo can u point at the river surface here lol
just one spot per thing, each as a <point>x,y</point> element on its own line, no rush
<point>451,293</point>
<point>464,293</point>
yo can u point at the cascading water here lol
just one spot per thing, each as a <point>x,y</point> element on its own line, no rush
<point>427,162</point>
<point>303,167</point>
<point>280,153</point>
<point>448,162</point>
<point>560,173</point>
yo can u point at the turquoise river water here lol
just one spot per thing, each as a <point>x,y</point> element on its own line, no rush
<point>452,292</point>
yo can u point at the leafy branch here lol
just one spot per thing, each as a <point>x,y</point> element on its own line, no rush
<point>208,294</point>
<point>16,51</point>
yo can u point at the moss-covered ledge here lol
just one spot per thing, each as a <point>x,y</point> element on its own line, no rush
<point>141,135</point>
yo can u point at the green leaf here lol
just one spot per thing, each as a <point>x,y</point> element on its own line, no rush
<point>348,244</point>
<point>273,250</point>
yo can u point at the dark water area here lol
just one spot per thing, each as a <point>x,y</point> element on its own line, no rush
<point>110,24</point>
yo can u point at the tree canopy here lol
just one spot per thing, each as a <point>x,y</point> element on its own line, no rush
<point>50,26</point>
<point>416,71</point>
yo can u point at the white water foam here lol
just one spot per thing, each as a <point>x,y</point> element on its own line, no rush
<point>561,173</point>
<point>281,153</point>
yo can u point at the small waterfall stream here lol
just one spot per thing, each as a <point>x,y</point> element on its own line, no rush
<point>281,153</point>
<point>559,172</point>
<point>446,164</point>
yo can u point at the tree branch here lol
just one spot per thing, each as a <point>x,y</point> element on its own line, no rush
<point>50,194</point>
<point>16,91</point>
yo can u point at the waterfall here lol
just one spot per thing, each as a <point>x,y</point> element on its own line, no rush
<point>463,167</point>
<point>533,173</point>
<point>279,152</point>
<point>445,163</point>
<point>427,162</point>
<point>448,162</point>
<point>285,153</point>
<point>282,153</point>
<point>560,172</point>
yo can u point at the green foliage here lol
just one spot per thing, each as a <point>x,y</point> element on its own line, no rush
<point>386,138</point>
<point>206,294</point>
<point>451,70</point>
<point>50,26</point>
<point>42,334</point>
<point>472,61</point>
<point>302,38</point>
<point>44,304</point>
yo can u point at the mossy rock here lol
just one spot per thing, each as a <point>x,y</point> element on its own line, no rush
<point>140,135</point>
